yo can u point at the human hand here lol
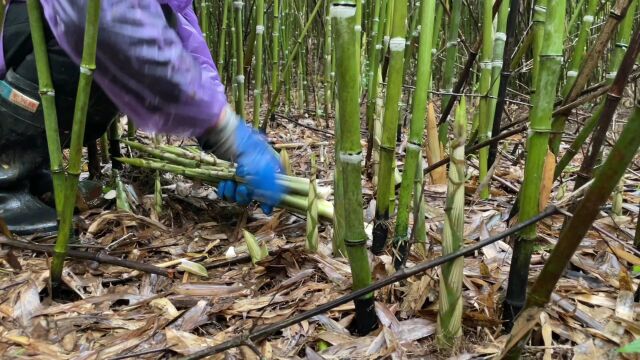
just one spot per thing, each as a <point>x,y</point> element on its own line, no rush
<point>257,163</point>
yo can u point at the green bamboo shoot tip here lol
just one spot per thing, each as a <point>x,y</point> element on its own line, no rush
<point>257,250</point>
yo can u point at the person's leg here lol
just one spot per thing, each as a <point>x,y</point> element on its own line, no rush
<point>22,152</point>
<point>23,147</point>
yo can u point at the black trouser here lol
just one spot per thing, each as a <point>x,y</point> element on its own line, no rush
<point>22,134</point>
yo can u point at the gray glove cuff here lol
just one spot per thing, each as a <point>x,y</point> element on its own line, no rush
<point>220,139</point>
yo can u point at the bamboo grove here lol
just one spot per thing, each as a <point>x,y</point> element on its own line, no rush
<point>387,74</point>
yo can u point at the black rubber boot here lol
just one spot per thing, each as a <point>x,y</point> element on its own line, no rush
<point>24,214</point>
<point>23,151</point>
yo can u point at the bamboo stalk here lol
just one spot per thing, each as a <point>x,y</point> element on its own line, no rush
<point>507,59</point>
<point>608,110</point>
<point>239,57</point>
<point>485,112</point>
<point>312,209</point>
<point>257,91</point>
<point>350,157</point>
<point>550,67</point>
<point>389,125</point>
<point>413,158</point>
<point>622,43</point>
<point>577,58</point>
<point>287,66</point>
<point>87,66</point>
<point>399,275</point>
<point>539,18</point>
<point>451,50</point>
<point>47,97</point>
<point>326,54</point>
<point>585,214</point>
<point>450,301</point>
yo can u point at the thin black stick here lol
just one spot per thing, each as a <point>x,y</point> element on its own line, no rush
<point>98,257</point>
<point>397,276</point>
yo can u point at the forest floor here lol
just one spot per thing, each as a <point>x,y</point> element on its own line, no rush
<point>110,312</point>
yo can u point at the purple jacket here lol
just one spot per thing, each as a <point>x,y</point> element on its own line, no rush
<point>164,79</point>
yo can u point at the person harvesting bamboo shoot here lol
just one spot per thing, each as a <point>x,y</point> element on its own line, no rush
<point>153,64</point>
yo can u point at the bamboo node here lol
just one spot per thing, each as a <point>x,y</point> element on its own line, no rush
<point>355,243</point>
<point>572,73</point>
<point>397,44</point>
<point>486,64</point>
<point>351,158</point>
<point>259,29</point>
<point>87,70</point>
<point>342,11</point>
<point>500,36</point>
<point>238,4</point>
<point>540,10</point>
<point>588,18</point>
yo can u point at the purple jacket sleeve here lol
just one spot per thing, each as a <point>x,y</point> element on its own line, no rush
<point>164,79</point>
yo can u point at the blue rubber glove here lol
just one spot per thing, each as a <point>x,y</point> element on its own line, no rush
<point>232,139</point>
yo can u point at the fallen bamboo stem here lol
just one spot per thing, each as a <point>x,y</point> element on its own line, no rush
<point>84,255</point>
<point>397,276</point>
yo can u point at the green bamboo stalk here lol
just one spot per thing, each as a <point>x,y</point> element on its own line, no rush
<point>420,228</point>
<point>275,53</point>
<point>257,92</point>
<point>577,10</point>
<point>451,50</point>
<point>213,174</point>
<point>47,97</point>
<point>417,128</point>
<point>239,56</point>
<point>287,66</point>
<point>577,226</point>
<point>499,39</point>
<point>539,17</point>
<point>550,66</point>
<point>87,66</point>
<point>157,191</point>
<point>350,157</point>
<point>296,197</point>
<point>222,42</point>
<point>204,21</point>
<point>234,59</point>
<point>390,123</point>
<point>577,58</point>
<point>450,302</point>
<point>312,209</point>
<point>436,34</point>
<point>485,111</point>
<point>326,55</point>
<point>372,88</point>
<point>622,43</point>
<point>614,95</point>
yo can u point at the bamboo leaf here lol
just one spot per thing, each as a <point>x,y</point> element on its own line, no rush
<point>631,348</point>
<point>193,268</point>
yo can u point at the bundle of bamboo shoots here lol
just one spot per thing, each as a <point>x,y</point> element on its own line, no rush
<point>194,164</point>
